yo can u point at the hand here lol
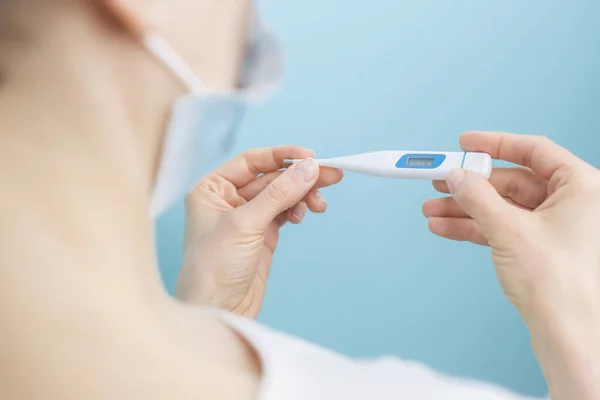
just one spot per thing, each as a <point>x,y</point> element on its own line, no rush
<point>233,219</point>
<point>542,223</point>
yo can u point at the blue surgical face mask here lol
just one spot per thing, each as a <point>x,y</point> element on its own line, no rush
<point>203,124</point>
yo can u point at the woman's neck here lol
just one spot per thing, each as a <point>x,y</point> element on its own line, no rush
<point>78,155</point>
<point>83,111</point>
<point>80,138</point>
<point>78,268</point>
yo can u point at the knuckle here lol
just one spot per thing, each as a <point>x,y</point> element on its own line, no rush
<point>581,180</point>
<point>537,143</point>
<point>198,191</point>
<point>542,140</point>
<point>251,152</point>
<point>278,191</point>
<point>538,140</point>
<point>565,176</point>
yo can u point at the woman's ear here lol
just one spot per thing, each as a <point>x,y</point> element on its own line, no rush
<point>137,16</point>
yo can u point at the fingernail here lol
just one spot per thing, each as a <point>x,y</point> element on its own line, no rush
<point>298,212</point>
<point>307,170</point>
<point>319,196</point>
<point>454,179</point>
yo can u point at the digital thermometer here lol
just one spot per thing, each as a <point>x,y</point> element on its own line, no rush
<point>428,165</point>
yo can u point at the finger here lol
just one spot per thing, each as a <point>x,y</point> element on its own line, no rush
<point>521,185</point>
<point>296,214</point>
<point>327,177</point>
<point>252,189</point>
<point>443,208</point>
<point>449,208</point>
<point>442,186</point>
<point>283,193</point>
<point>539,153</point>
<point>460,229</point>
<point>478,198</point>
<point>314,199</point>
<point>244,168</point>
<point>316,202</point>
<point>281,219</point>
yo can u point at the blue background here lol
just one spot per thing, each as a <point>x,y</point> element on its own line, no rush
<point>367,278</point>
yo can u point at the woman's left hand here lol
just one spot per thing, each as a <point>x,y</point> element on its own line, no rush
<point>233,218</point>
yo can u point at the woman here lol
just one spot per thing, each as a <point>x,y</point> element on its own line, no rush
<point>101,124</point>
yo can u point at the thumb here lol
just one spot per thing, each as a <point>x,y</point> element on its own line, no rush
<point>478,199</point>
<point>283,193</point>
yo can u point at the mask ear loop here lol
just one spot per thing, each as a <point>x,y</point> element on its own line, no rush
<point>163,51</point>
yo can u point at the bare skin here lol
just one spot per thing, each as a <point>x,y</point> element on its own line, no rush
<point>84,314</point>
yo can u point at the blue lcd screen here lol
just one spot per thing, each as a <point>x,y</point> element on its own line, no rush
<point>420,162</point>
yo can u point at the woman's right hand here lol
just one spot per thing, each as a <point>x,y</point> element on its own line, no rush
<point>542,224</point>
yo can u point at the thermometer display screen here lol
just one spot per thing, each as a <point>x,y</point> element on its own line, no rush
<point>420,162</point>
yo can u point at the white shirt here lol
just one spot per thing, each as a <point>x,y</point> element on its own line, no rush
<point>293,369</point>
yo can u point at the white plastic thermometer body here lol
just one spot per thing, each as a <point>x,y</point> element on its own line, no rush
<point>428,165</point>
